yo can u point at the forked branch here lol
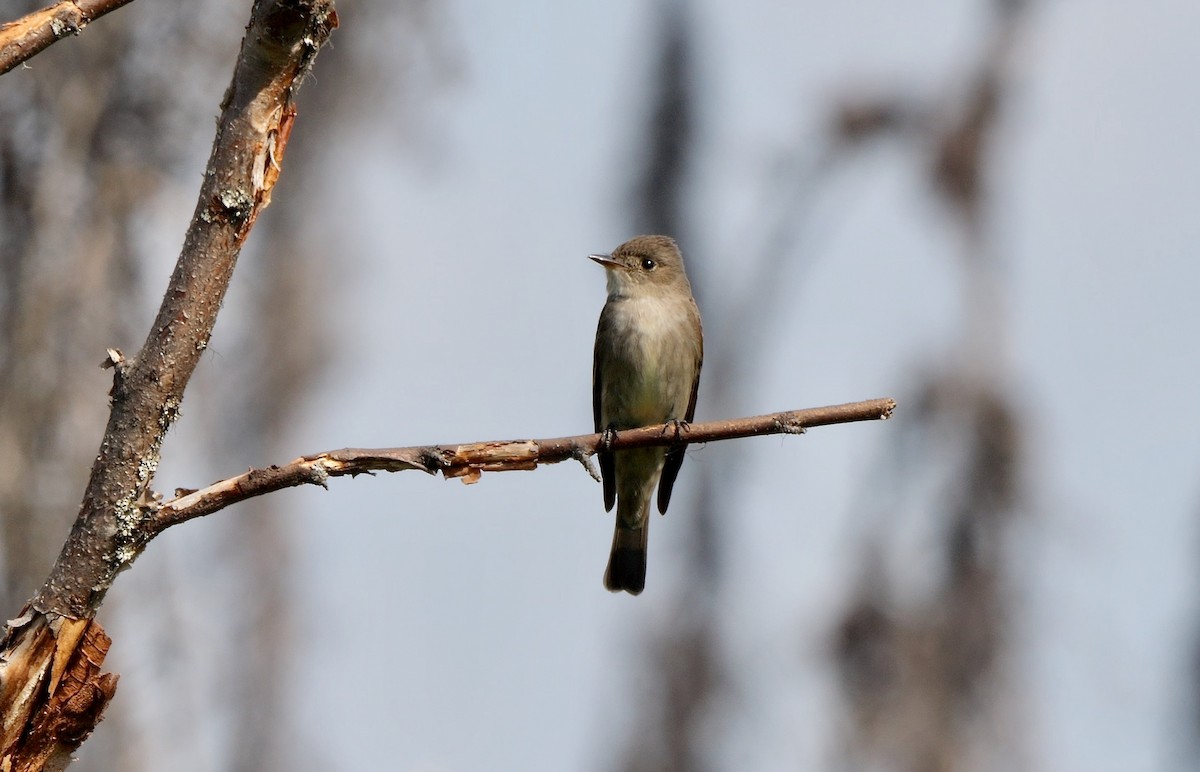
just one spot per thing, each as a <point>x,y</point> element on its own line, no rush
<point>52,688</point>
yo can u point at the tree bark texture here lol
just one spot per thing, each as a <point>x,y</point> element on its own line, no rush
<point>31,34</point>
<point>52,692</point>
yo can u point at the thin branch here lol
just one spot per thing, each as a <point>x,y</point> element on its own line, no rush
<point>33,33</point>
<point>469,461</point>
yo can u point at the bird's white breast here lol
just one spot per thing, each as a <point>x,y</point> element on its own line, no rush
<point>663,357</point>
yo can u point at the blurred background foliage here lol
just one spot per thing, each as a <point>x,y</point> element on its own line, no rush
<point>918,649</point>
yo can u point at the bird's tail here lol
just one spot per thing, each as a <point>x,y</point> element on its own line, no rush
<point>627,562</point>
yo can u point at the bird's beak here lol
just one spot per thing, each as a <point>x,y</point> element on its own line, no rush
<point>607,261</point>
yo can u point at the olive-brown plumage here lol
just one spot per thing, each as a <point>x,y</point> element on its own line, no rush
<point>649,348</point>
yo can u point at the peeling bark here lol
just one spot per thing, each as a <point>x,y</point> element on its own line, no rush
<point>52,690</point>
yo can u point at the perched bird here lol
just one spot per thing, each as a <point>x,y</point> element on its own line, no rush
<point>649,346</point>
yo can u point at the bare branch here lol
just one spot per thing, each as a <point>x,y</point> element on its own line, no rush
<point>33,33</point>
<point>256,119</point>
<point>471,460</point>
<point>52,690</point>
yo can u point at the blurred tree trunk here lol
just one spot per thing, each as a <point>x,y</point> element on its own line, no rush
<point>921,683</point>
<point>923,678</point>
<point>685,676</point>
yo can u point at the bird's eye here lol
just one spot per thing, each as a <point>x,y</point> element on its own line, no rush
<point>648,264</point>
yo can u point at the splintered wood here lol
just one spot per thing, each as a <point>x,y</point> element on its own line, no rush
<point>53,690</point>
<point>469,462</point>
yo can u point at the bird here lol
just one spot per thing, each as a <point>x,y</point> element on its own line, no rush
<point>646,370</point>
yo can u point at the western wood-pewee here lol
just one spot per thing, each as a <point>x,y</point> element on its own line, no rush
<point>649,347</point>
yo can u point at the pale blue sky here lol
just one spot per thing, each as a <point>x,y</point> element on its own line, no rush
<point>459,270</point>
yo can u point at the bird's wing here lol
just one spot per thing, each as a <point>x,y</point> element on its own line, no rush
<point>608,474</point>
<point>674,458</point>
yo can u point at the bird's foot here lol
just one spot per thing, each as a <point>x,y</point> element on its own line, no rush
<point>679,427</point>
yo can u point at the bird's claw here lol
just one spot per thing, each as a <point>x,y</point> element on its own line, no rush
<point>680,428</point>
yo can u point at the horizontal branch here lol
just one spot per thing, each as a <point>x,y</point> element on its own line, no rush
<point>471,460</point>
<point>35,32</point>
